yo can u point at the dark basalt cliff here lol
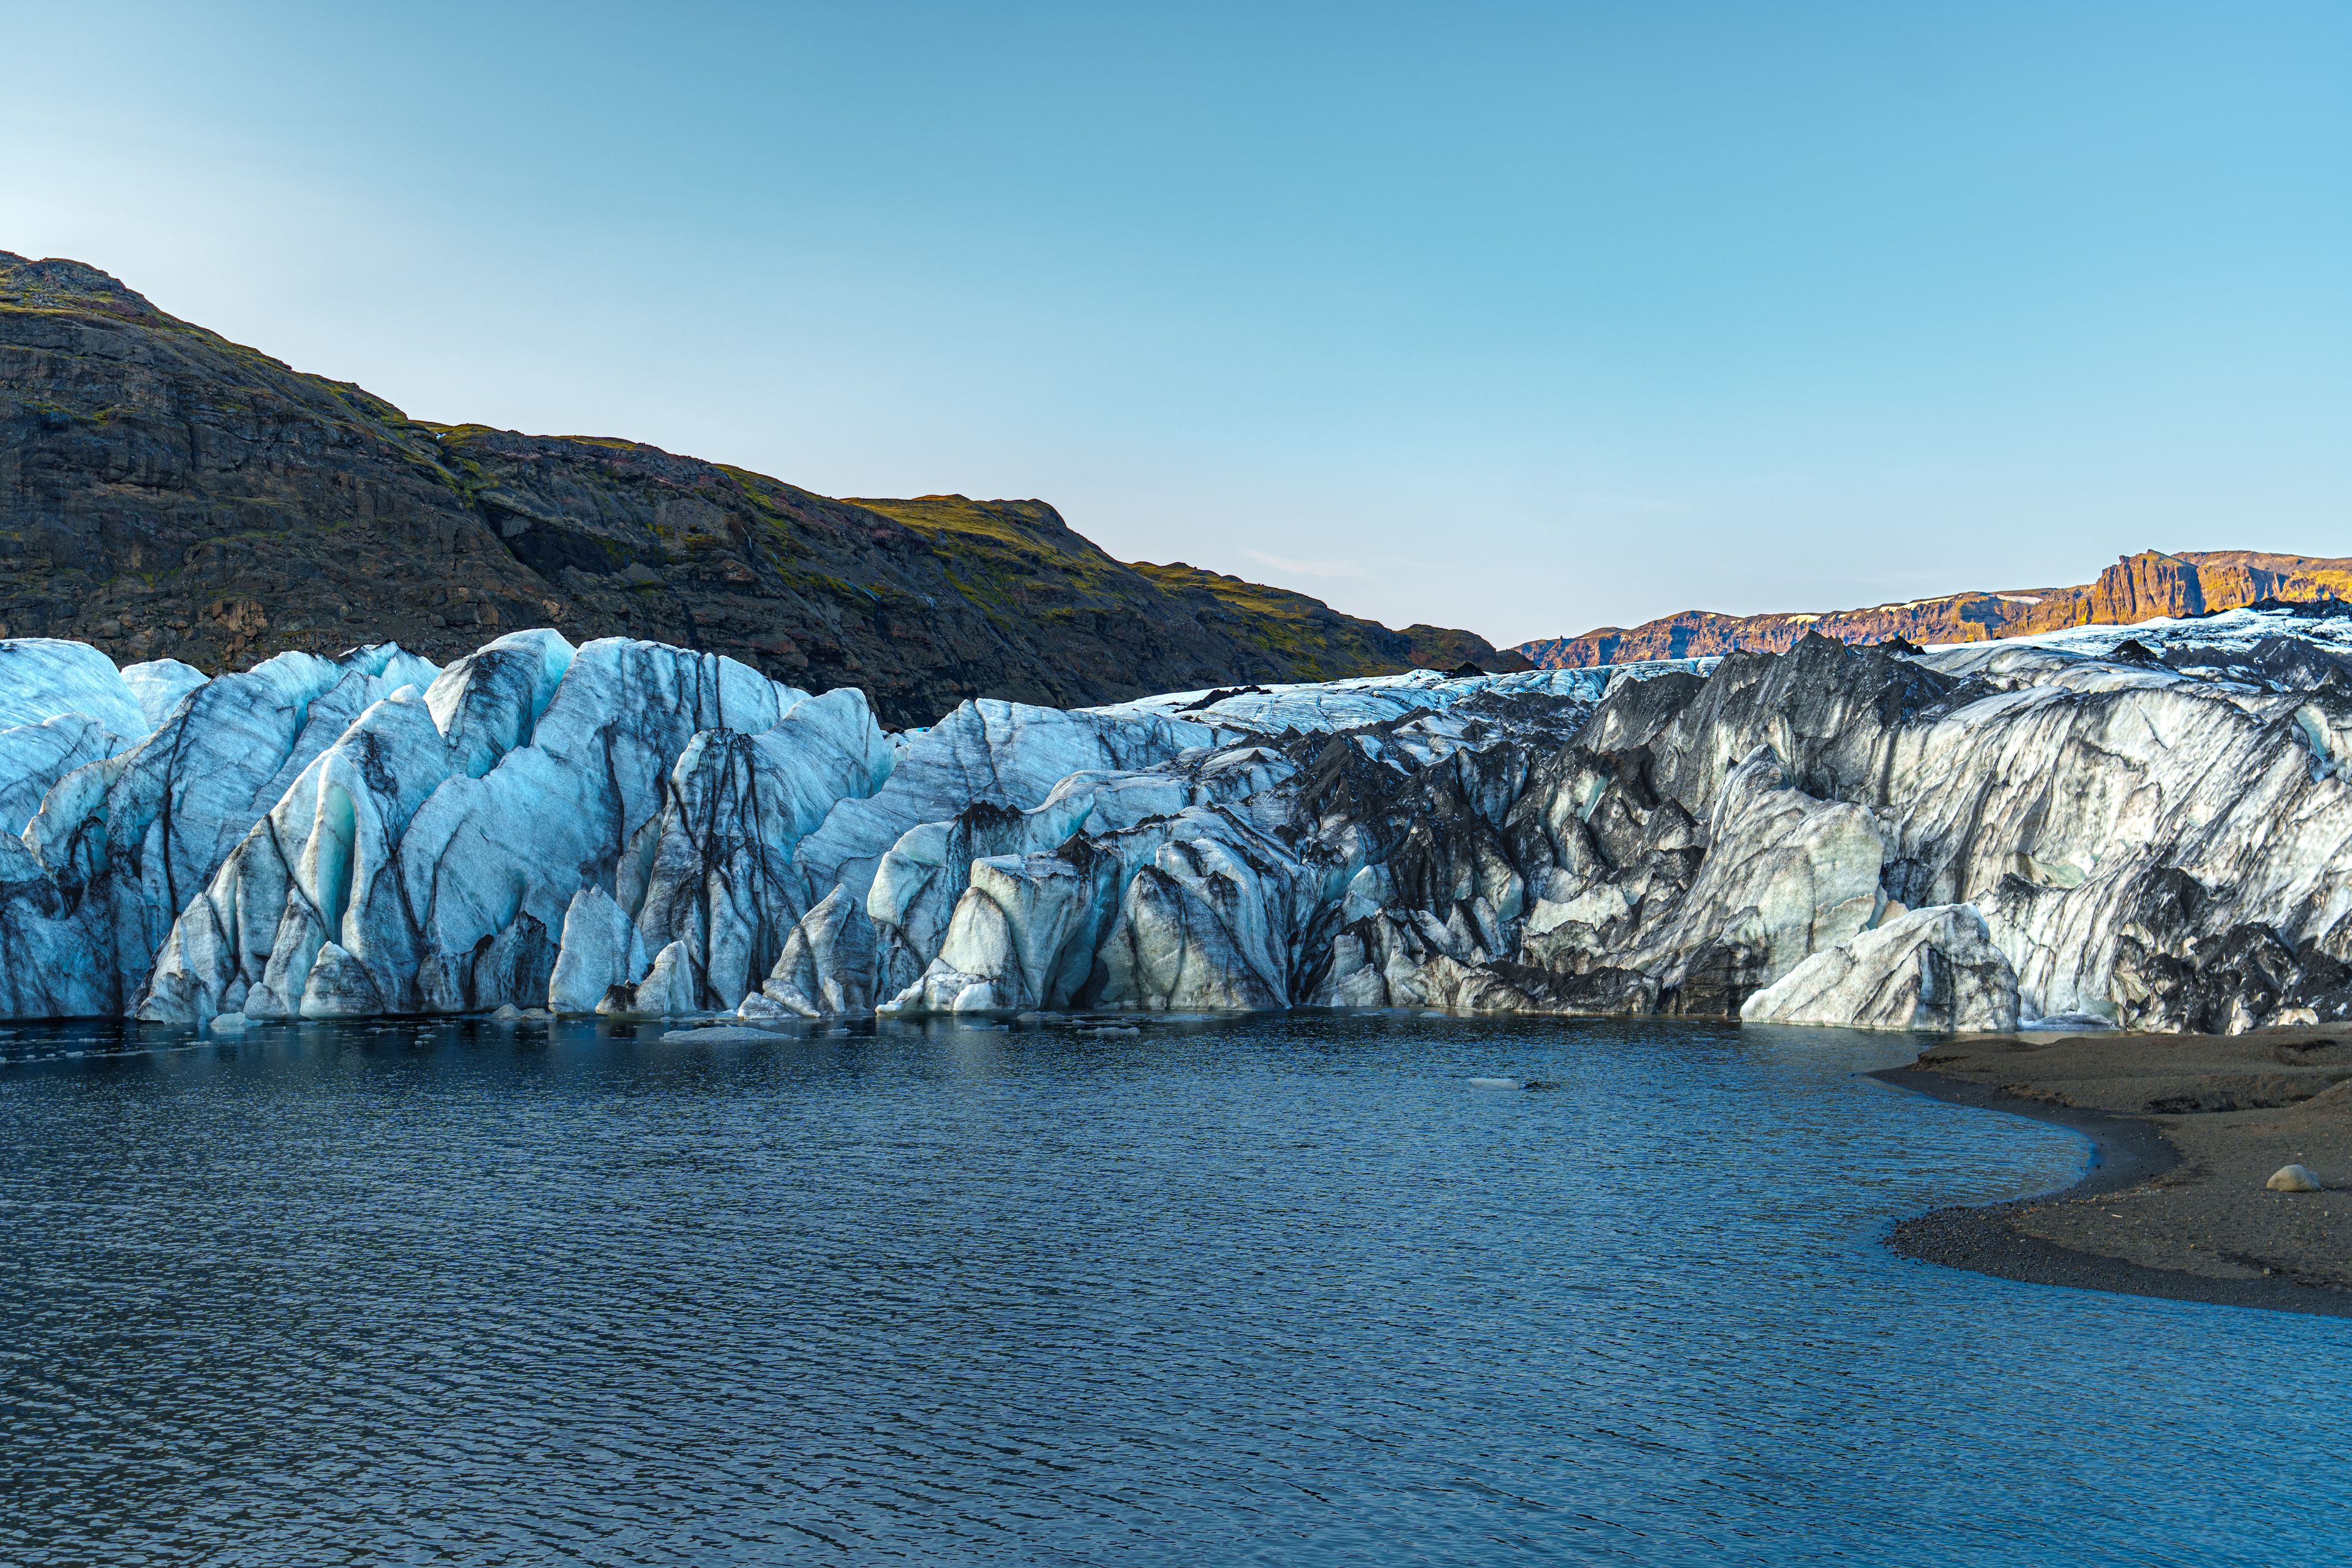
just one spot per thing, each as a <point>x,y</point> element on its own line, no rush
<point>166,493</point>
<point>2136,588</point>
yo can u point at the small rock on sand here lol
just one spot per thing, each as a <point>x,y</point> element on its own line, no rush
<point>2293,1179</point>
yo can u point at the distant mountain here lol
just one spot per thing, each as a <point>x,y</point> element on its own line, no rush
<point>165,493</point>
<point>2139,587</point>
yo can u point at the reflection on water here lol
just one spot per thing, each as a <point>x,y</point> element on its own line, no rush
<point>1289,1291</point>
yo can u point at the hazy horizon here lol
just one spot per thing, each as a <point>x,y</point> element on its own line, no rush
<point>1524,320</point>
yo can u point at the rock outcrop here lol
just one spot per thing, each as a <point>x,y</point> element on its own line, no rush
<point>2150,829</point>
<point>168,495</point>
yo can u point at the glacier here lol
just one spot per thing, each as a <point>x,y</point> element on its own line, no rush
<point>2143,825</point>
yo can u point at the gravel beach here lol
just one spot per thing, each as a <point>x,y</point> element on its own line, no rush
<point>2188,1128</point>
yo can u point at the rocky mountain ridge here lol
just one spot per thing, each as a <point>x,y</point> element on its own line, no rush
<point>2142,587</point>
<point>165,493</point>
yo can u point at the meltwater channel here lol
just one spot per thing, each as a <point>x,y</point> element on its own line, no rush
<point>1284,1291</point>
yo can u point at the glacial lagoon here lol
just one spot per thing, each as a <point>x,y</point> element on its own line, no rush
<point>1290,1290</point>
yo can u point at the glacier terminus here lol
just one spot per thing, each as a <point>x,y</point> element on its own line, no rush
<point>2141,826</point>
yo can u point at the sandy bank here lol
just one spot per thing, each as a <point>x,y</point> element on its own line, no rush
<point>2188,1128</point>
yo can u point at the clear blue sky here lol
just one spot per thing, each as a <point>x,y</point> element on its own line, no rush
<point>1524,318</point>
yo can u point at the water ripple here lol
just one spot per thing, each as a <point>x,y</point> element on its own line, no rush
<point>1285,1292</point>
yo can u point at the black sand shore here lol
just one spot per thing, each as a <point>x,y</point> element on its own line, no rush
<point>2148,1219</point>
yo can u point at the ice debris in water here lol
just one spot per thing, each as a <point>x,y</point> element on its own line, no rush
<point>720,1034</point>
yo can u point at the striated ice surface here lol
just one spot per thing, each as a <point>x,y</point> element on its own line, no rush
<point>2150,826</point>
<point>158,686</point>
<point>1318,708</point>
<point>42,677</point>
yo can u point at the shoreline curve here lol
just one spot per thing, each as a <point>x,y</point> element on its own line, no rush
<point>2126,1152</point>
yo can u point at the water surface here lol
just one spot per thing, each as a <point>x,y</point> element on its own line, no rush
<point>1289,1291</point>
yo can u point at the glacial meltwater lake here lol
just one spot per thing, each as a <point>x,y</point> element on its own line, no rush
<point>1282,1290</point>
